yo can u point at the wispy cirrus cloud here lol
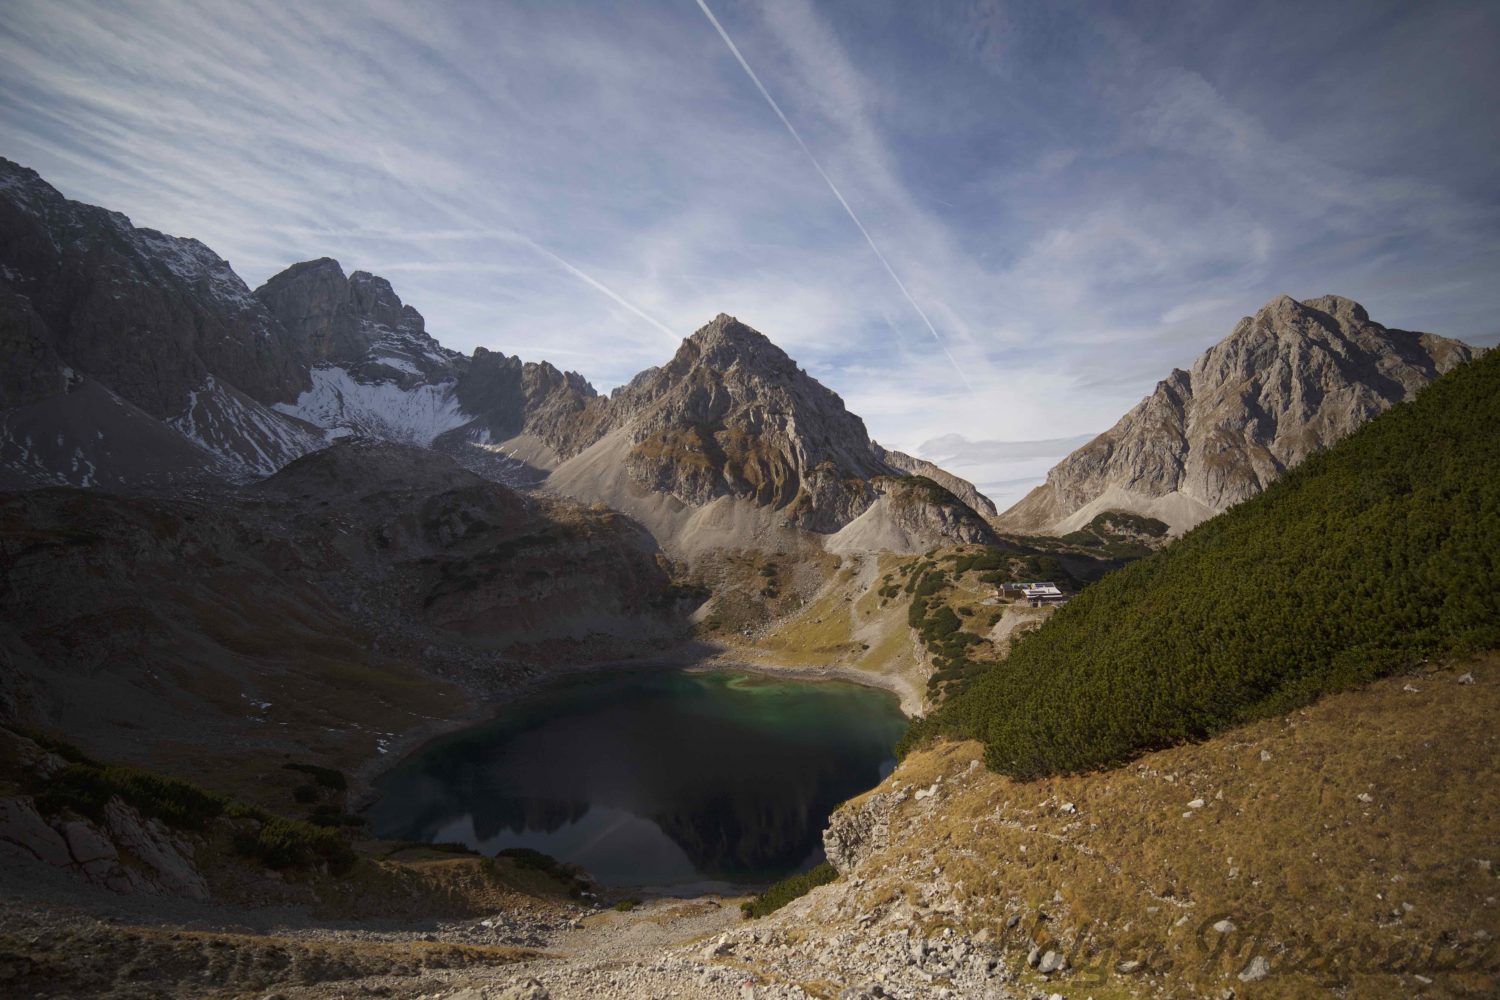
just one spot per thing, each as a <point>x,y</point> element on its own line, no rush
<point>1075,200</point>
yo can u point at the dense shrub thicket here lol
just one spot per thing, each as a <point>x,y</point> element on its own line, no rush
<point>1363,560</point>
<point>788,889</point>
<point>1119,534</point>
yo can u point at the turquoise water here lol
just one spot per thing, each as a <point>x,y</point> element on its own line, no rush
<point>652,778</point>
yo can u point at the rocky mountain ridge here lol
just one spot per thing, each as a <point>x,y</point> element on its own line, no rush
<point>147,365</point>
<point>125,339</point>
<point>731,444</point>
<point>1293,378</point>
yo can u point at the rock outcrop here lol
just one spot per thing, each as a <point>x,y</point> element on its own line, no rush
<point>144,364</point>
<point>159,326</point>
<point>910,515</point>
<point>964,490</point>
<point>1291,379</point>
<point>730,442</point>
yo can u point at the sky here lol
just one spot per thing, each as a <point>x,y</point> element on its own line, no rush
<point>990,227</point>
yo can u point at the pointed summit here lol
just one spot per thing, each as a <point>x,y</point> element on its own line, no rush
<point>731,416</point>
<point>1293,378</point>
<point>725,342</point>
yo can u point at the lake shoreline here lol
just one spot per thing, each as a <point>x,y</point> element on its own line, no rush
<point>685,657</point>
<point>390,809</point>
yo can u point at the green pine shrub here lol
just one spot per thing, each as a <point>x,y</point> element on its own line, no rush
<point>1364,560</point>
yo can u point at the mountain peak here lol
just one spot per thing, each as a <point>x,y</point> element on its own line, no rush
<point>25,186</point>
<point>1284,310</point>
<point>725,342</point>
<point>726,329</point>
<point>319,266</point>
<point>1293,378</point>
<point>1338,306</point>
<point>351,320</point>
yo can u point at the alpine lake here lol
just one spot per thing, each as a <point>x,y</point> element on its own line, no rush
<point>668,780</point>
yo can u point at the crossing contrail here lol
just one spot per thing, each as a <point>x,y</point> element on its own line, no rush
<point>735,49</point>
<point>597,285</point>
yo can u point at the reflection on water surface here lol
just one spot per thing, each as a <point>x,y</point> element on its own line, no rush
<point>661,778</point>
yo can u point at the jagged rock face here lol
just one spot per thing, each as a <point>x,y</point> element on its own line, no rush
<point>1144,452</point>
<point>143,361</point>
<point>1291,379</point>
<point>374,370</point>
<point>731,442</point>
<point>961,488</point>
<point>857,830</point>
<point>357,323</point>
<point>513,397</point>
<point>732,415</point>
<point>32,371</point>
<point>162,324</point>
<point>377,372</point>
<point>150,314</point>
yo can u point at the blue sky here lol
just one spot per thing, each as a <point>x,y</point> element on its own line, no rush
<point>995,227</point>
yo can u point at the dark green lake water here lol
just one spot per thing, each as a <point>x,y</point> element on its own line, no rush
<point>652,778</point>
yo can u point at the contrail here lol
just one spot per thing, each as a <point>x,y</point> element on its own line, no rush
<point>735,49</point>
<point>505,232</point>
<point>598,286</point>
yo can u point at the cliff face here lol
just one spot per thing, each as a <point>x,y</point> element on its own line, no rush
<point>109,328</point>
<point>356,322</point>
<point>731,441</point>
<point>144,364</point>
<point>732,415</point>
<point>1291,379</point>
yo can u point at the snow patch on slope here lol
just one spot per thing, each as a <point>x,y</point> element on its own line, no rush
<point>249,439</point>
<point>343,405</point>
<point>198,266</point>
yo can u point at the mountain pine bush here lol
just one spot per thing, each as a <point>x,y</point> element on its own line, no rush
<point>1367,558</point>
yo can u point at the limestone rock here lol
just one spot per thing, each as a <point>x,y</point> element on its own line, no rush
<point>966,491</point>
<point>162,323</point>
<point>732,414</point>
<point>731,427</point>
<point>1293,378</point>
<point>1257,969</point>
<point>911,515</point>
<point>21,825</point>
<point>85,844</point>
<point>853,832</point>
<point>529,989</point>
<point>151,844</point>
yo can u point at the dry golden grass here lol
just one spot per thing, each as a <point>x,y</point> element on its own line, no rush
<point>1332,889</point>
<point>421,881</point>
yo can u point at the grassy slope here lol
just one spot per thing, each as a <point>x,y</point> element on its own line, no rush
<point>1328,885</point>
<point>1367,558</point>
